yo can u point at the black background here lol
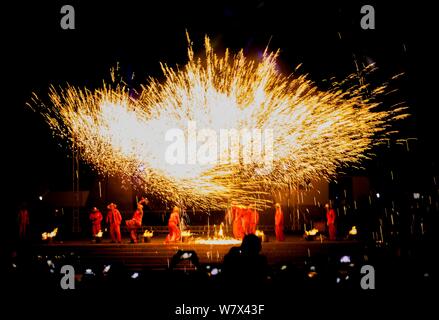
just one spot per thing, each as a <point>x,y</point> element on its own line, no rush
<point>325,38</point>
<point>36,53</point>
<point>138,35</point>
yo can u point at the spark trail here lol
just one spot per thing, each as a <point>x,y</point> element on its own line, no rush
<point>316,132</point>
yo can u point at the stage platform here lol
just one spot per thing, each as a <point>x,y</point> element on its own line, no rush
<point>156,255</point>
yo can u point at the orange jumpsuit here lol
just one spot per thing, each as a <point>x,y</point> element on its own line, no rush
<point>254,221</point>
<point>174,230</point>
<point>96,219</point>
<point>246,216</point>
<point>279,224</point>
<point>238,230</point>
<point>134,223</point>
<point>330,218</point>
<point>23,222</point>
<point>114,219</point>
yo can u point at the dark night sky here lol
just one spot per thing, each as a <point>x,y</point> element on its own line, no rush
<point>137,34</point>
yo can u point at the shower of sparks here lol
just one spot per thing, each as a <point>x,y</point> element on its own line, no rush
<point>316,132</point>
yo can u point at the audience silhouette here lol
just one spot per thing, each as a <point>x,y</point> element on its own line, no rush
<point>245,265</point>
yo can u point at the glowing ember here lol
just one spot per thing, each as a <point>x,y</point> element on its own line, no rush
<point>186,233</point>
<point>121,135</point>
<point>259,233</point>
<point>312,232</point>
<point>353,231</point>
<point>148,234</point>
<point>49,235</point>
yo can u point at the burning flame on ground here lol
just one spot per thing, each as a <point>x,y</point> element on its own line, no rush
<point>259,233</point>
<point>148,234</point>
<point>219,238</point>
<point>49,235</point>
<point>312,232</point>
<point>353,231</point>
<point>223,241</point>
<point>186,233</point>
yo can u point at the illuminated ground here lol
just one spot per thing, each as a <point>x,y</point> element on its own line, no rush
<point>156,255</point>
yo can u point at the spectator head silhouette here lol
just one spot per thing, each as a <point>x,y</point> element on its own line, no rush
<point>251,245</point>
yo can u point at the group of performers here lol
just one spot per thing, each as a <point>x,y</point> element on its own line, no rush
<point>114,220</point>
<point>244,220</point>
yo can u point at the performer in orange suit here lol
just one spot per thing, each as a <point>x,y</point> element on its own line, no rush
<point>253,220</point>
<point>174,230</point>
<point>114,218</point>
<point>279,223</point>
<point>96,219</point>
<point>23,223</point>
<point>246,217</point>
<point>238,230</point>
<point>135,222</point>
<point>330,221</point>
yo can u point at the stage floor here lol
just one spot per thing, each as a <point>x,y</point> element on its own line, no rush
<point>156,255</point>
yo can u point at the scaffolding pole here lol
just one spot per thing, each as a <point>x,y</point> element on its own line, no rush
<point>76,227</point>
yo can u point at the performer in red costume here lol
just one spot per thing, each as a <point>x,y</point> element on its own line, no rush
<point>135,223</point>
<point>23,223</point>
<point>238,230</point>
<point>254,220</point>
<point>174,230</point>
<point>96,219</point>
<point>246,216</point>
<point>330,221</point>
<point>114,218</point>
<point>279,223</point>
